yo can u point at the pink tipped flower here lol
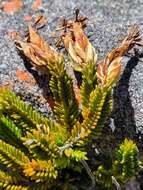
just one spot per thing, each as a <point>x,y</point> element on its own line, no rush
<point>37,50</point>
<point>79,48</point>
<point>107,73</point>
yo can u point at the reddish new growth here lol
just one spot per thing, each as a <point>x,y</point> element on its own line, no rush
<point>109,69</point>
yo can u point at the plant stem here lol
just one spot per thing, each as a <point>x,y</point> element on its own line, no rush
<point>88,170</point>
<point>115,182</point>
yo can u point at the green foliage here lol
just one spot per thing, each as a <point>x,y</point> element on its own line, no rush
<point>127,163</point>
<point>88,84</point>
<point>66,107</point>
<point>34,148</point>
<point>124,167</point>
<point>19,112</point>
<point>13,134</point>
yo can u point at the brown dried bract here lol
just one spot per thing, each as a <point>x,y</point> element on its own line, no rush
<point>133,38</point>
<point>76,42</point>
<point>107,73</point>
<point>39,22</point>
<point>66,26</point>
<point>79,48</point>
<point>109,69</point>
<point>37,50</point>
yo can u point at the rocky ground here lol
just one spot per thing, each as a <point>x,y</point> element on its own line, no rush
<point>109,20</point>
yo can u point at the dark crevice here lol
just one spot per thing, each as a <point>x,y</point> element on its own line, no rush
<point>40,75</point>
<point>123,111</point>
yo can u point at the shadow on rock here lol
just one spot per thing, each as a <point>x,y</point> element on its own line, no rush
<point>123,112</point>
<point>42,78</point>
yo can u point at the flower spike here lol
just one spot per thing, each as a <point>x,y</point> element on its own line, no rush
<point>79,48</point>
<point>109,69</point>
<point>109,73</point>
<point>37,50</point>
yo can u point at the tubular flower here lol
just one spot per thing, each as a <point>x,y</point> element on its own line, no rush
<point>37,50</point>
<point>107,73</point>
<point>109,69</point>
<point>133,38</point>
<point>79,48</point>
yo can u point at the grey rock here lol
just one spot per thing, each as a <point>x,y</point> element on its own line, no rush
<point>3,67</point>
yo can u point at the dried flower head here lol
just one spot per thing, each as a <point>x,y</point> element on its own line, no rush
<point>133,38</point>
<point>107,73</point>
<point>79,48</point>
<point>109,69</point>
<point>37,50</point>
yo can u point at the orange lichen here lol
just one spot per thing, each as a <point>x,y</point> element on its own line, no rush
<point>22,76</point>
<point>79,48</point>
<point>12,6</point>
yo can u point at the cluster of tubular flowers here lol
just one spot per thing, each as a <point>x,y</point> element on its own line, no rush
<point>79,48</point>
<point>37,50</point>
<point>80,51</point>
<point>108,71</point>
